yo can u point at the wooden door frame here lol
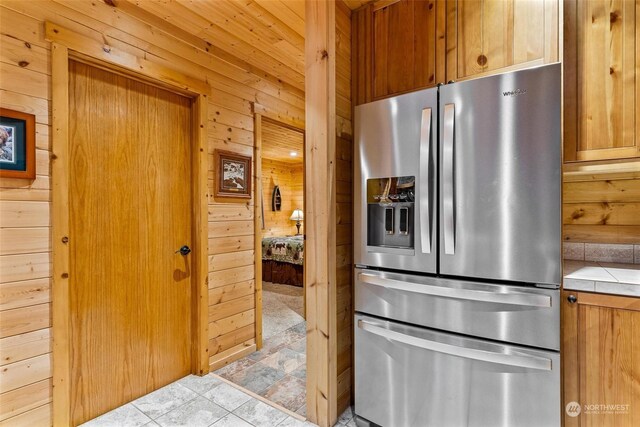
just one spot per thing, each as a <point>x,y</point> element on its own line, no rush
<point>69,45</point>
<point>265,115</point>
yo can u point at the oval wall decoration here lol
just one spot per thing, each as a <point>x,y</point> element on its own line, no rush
<point>276,199</point>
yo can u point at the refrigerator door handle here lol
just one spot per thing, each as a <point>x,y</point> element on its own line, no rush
<point>509,359</point>
<point>425,148</point>
<point>448,197</point>
<point>512,298</point>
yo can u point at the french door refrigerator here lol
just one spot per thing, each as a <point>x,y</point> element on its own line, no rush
<point>458,254</point>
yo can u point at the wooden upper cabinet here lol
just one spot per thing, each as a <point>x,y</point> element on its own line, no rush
<point>601,86</point>
<point>404,47</point>
<point>398,46</point>
<point>489,36</point>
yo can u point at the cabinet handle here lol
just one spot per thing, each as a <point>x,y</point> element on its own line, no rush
<point>572,299</point>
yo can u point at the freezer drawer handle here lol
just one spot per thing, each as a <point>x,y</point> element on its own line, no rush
<point>513,298</point>
<point>425,214</point>
<point>448,197</point>
<point>519,360</point>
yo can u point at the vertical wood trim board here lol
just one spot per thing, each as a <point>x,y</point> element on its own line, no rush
<point>320,247</point>
<point>344,212</point>
<point>60,233</point>
<point>569,362</point>
<point>258,225</point>
<point>200,219</point>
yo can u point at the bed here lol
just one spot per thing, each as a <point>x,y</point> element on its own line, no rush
<point>282,260</point>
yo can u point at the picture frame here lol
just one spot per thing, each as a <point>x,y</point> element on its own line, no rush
<point>17,144</point>
<point>233,177</point>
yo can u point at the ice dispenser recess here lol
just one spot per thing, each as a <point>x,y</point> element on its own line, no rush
<point>390,211</point>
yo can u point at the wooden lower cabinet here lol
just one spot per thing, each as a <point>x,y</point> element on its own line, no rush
<point>600,360</point>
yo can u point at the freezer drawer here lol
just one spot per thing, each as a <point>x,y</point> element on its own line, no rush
<point>408,376</point>
<point>519,314</point>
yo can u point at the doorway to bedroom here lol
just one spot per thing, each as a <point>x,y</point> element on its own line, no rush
<point>277,371</point>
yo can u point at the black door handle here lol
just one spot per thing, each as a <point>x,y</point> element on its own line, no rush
<point>185,250</point>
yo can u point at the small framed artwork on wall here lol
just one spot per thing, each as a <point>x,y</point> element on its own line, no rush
<point>233,175</point>
<point>17,144</point>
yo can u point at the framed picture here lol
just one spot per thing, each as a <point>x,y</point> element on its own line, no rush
<point>17,144</point>
<point>234,175</point>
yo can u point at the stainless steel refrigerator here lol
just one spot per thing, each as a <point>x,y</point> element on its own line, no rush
<point>458,254</point>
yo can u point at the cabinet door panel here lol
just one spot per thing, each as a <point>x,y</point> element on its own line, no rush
<point>601,359</point>
<point>469,38</point>
<point>485,36</point>
<point>608,359</point>
<point>361,54</point>
<point>602,54</point>
<point>380,49</point>
<point>529,39</point>
<point>497,34</point>
<point>400,47</point>
<point>425,59</point>
<point>404,47</point>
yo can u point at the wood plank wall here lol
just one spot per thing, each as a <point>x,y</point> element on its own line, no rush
<point>290,178</point>
<point>25,247</point>
<point>602,204</point>
<point>344,207</point>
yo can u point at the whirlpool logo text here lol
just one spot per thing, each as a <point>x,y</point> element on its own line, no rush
<point>513,93</point>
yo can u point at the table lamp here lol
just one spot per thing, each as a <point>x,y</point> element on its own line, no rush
<point>297,216</point>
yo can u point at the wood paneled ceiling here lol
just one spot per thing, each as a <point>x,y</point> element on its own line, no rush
<point>278,142</point>
<point>266,34</point>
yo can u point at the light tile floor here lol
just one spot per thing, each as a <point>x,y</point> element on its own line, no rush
<point>277,373</point>
<point>202,401</point>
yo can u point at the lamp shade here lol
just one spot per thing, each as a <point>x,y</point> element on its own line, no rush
<point>297,215</point>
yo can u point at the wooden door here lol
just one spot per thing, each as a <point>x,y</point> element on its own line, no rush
<point>130,210</point>
<point>488,36</point>
<point>601,86</point>
<point>601,359</point>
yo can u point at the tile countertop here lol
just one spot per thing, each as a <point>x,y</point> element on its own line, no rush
<point>602,277</point>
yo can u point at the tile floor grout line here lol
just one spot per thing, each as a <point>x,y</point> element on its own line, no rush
<point>182,404</point>
<point>235,415</point>
<point>261,398</point>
